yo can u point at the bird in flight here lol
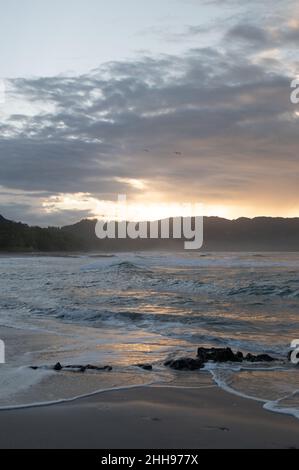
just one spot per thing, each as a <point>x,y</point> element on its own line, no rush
<point>178,153</point>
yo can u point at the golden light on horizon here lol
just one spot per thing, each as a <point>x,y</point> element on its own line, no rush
<point>150,210</point>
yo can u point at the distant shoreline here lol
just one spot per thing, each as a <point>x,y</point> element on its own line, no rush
<point>260,234</point>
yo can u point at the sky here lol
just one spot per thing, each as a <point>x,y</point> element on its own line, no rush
<point>167,102</point>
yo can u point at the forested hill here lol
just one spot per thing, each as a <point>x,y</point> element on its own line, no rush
<point>18,237</point>
<point>243,234</point>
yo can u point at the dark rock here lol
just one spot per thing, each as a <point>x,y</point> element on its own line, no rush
<point>240,356</point>
<point>90,367</point>
<point>250,357</point>
<point>219,355</point>
<point>74,368</point>
<point>265,358</point>
<point>259,358</point>
<point>81,368</point>
<point>145,366</point>
<point>185,363</point>
<point>227,355</point>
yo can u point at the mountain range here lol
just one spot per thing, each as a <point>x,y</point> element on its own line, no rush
<point>243,234</point>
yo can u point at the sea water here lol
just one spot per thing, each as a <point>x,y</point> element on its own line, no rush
<point>129,308</point>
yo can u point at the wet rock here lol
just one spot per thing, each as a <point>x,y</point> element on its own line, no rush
<point>73,368</point>
<point>81,368</point>
<point>145,366</point>
<point>219,355</point>
<point>259,358</point>
<point>239,356</point>
<point>227,355</point>
<point>96,368</point>
<point>185,363</point>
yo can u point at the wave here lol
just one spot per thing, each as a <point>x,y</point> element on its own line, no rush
<point>265,290</point>
<point>272,393</point>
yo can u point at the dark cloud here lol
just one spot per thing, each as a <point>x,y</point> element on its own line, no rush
<point>290,35</point>
<point>251,33</point>
<point>259,37</point>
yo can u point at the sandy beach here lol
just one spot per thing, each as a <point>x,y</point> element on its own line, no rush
<point>150,417</point>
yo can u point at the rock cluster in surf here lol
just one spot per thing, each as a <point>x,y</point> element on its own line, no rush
<point>215,355</point>
<point>204,355</point>
<point>74,368</point>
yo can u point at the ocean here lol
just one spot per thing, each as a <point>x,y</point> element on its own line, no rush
<point>126,309</point>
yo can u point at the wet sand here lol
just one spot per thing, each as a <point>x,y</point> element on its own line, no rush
<point>150,417</point>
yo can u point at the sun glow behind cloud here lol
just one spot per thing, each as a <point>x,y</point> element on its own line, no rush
<point>118,210</point>
<point>140,209</point>
<point>134,183</point>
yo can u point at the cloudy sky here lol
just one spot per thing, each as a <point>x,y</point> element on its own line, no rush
<point>168,102</point>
